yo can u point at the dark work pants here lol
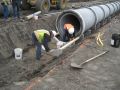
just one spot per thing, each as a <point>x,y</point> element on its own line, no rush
<point>66,36</point>
<point>5,11</point>
<point>16,9</point>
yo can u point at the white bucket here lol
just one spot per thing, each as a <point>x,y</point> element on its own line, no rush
<point>35,17</point>
<point>18,53</point>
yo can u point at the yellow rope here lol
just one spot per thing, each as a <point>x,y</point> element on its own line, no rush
<point>99,41</point>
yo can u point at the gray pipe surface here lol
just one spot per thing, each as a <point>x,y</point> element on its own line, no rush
<point>85,18</point>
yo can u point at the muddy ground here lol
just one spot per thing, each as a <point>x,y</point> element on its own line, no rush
<point>17,33</point>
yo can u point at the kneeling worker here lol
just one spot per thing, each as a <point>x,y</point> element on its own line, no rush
<point>69,32</point>
<point>41,37</point>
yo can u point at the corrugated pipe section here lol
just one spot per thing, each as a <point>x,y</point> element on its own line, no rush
<point>85,18</point>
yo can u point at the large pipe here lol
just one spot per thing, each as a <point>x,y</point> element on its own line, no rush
<point>106,10</point>
<point>85,18</point>
<point>118,7</point>
<point>99,13</point>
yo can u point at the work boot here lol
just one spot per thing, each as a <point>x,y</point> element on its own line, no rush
<point>38,59</point>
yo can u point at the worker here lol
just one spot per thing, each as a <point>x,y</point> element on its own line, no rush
<point>69,32</point>
<point>41,37</point>
<point>16,8</point>
<point>5,4</point>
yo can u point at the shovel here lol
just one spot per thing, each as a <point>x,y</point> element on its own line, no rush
<point>59,51</point>
<point>80,66</point>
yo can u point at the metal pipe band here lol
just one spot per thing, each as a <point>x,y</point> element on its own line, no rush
<point>118,5</point>
<point>115,6</point>
<point>99,13</point>
<point>111,8</point>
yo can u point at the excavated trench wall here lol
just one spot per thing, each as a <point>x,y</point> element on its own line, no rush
<point>18,34</point>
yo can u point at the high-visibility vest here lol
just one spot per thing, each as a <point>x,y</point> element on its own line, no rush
<point>68,26</point>
<point>40,34</point>
<point>6,2</point>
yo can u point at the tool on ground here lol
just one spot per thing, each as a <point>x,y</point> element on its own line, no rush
<point>80,66</point>
<point>58,52</point>
<point>32,15</point>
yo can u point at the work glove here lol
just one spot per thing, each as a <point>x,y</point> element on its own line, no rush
<point>43,48</point>
<point>60,44</point>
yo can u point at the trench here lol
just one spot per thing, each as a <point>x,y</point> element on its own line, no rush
<point>18,35</point>
<point>45,68</point>
<point>41,70</point>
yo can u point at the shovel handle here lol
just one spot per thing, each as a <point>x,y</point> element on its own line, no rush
<point>94,57</point>
<point>69,43</point>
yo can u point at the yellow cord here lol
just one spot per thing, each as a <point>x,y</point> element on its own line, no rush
<point>99,41</point>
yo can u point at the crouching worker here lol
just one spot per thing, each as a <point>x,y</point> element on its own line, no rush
<point>39,38</point>
<point>69,32</point>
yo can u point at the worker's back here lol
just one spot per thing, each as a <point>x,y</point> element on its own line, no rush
<point>40,34</point>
